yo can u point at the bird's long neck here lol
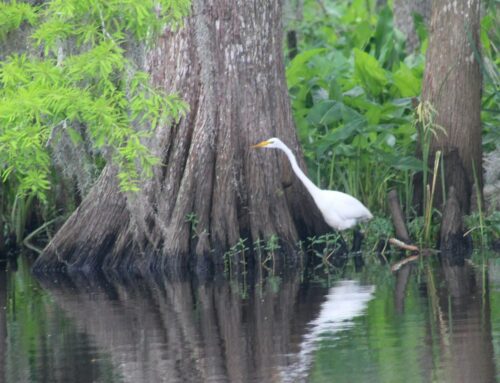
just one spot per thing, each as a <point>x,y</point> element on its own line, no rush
<point>310,186</point>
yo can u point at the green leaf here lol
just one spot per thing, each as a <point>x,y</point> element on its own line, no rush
<point>297,66</point>
<point>341,133</point>
<point>486,24</point>
<point>13,14</point>
<point>406,163</point>
<point>369,72</point>
<point>334,90</point>
<point>373,114</point>
<point>325,112</point>
<point>357,91</point>
<point>406,82</point>
<point>421,29</point>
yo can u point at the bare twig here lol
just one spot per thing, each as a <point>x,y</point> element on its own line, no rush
<point>403,245</point>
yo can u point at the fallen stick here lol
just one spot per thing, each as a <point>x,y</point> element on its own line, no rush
<point>402,245</point>
<point>398,218</point>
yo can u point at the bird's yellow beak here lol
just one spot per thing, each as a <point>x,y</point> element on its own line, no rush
<point>261,144</point>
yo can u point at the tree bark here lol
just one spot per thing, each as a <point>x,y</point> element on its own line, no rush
<point>452,243</point>
<point>452,84</point>
<point>404,11</point>
<point>292,16</point>
<point>227,63</point>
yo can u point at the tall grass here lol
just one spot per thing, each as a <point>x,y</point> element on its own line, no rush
<point>428,129</point>
<point>429,200</point>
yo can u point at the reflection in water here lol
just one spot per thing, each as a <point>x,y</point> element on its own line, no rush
<point>460,323</point>
<point>178,332</point>
<point>344,302</point>
<point>423,325</point>
<point>467,320</point>
<point>402,279</point>
<point>3,320</point>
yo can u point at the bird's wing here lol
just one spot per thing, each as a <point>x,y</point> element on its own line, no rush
<point>346,206</point>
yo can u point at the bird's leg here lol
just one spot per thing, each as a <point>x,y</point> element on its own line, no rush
<point>357,240</point>
<point>343,245</point>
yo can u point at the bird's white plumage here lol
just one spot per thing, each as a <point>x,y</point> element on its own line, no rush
<point>340,210</point>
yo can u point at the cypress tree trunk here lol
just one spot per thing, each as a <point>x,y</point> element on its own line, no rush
<point>292,15</point>
<point>211,189</point>
<point>452,84</point>
<point>404,11</point>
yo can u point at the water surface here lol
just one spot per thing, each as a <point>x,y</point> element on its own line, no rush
<point>424,324</point>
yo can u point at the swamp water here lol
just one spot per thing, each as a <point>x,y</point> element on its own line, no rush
<point>423,324</point>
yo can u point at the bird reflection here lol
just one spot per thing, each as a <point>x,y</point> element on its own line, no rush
<point>344,302</point>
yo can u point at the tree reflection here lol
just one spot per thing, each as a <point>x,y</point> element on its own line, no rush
<point>466,313</point>
<point>279,329</point>
<point>459,325</point>
<point>3,320</point>
<point>402,278</point>
<point>179,331</point>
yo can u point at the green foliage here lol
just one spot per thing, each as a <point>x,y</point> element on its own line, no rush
<point>272,244</point>
<point>490,65</point>
<point>485,229</point>
<point>325,246</point>
<point>354,92</point>
<point>425,124</point>
<point>407,83</point>
<point>193,221</point>
<point>84,87</point>
<point>92,21</point>
<point>369,73</point>
<point>237,250</point>
<point>378,228</point>
<point>351,88</point>
<point>14,14</point>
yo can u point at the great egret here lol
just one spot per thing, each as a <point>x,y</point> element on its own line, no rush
<point>340,210</point>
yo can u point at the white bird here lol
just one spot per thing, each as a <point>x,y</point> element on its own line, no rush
<point>340,210</point>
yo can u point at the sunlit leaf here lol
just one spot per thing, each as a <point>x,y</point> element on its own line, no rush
<point>369,72</point>
<point>406,82</point>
